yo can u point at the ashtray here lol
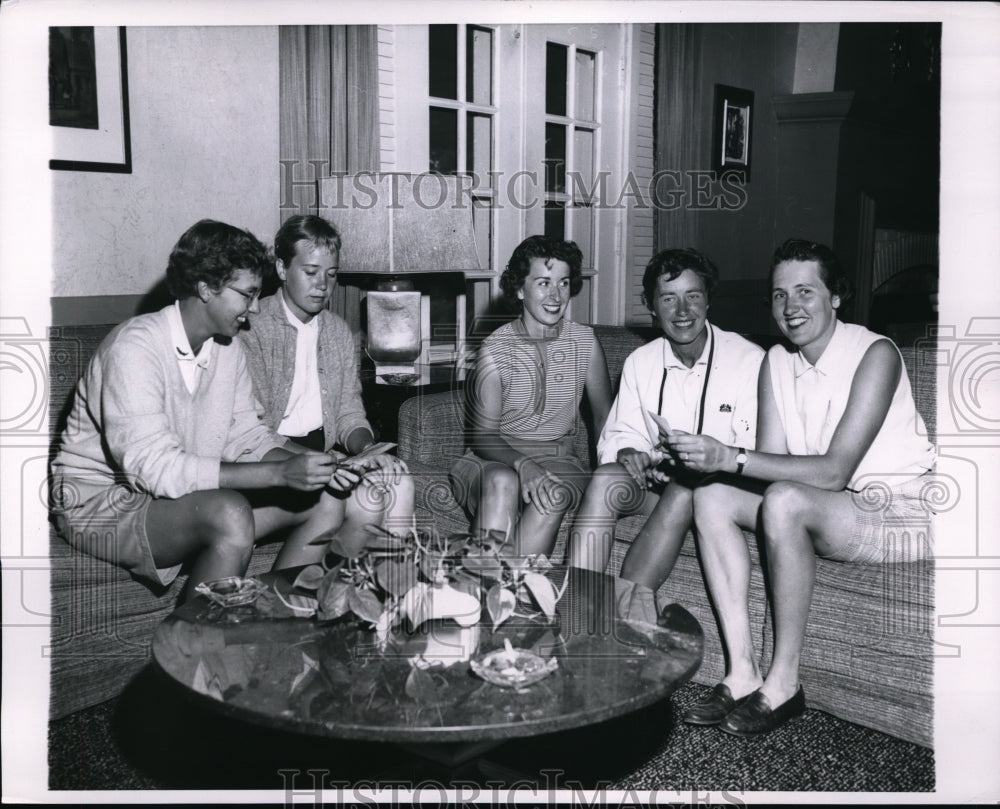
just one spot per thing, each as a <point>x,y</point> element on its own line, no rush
<point>513,668</point>
<point>232,591</point>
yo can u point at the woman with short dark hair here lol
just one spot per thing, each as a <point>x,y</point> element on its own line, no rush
<point>165,435</point>
<point>841,459</point>
<point>520,472</point>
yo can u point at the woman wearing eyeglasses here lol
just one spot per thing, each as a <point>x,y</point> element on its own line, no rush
<point>165,437</point>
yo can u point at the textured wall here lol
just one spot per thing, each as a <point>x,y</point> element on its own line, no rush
<point>204,118</point>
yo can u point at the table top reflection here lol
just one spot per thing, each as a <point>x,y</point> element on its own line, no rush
<point>261,664</point>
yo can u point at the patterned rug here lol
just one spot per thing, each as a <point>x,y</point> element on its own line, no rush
<point>152,738</point>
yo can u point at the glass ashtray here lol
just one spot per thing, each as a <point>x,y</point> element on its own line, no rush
<point>232,591</point>
<point>513,668</point>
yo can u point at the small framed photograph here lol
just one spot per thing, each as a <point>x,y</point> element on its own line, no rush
<point>88,99</point>
<point>731,130</point>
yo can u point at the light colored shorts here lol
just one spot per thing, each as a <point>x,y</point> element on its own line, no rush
<point>109,523</point>
<point>893,523</point>
<point>556,457</point>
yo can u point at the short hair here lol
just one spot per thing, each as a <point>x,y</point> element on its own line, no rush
<point>313,229</point>
<point>543,247</point>
<point>830,270</point>
<point>672,263</point>
<point>212,252</point>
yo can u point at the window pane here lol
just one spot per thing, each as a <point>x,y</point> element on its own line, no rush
<point>479,140</point>
<point>582,232</point>
<point>585,85</point>
<point>482,222</point>
<point>443,140</point>
<point>583,163</point>
<point>555,220</point>
<point>555,78</point>
<point>442,76</point>
<point>479,66</point>
<point>555,158</point>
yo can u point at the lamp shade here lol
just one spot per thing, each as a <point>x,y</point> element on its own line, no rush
<point>400,223</point>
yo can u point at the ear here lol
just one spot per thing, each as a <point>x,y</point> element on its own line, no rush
<point>520,294</point>
<point>205,292</point>
<point>835,301</point>
<point>279,267</point>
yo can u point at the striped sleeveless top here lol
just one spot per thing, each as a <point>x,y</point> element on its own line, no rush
<point>535,406</point>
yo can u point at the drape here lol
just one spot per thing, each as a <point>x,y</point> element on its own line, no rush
<point>328,99</point>
<point>680,123</point>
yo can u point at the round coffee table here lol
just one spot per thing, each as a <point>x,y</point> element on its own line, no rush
<point>259,664</point>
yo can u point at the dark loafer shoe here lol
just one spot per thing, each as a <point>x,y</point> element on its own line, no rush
<point>714,708</point>
<point>755,715</point>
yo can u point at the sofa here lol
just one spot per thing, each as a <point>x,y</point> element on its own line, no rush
<point>868,654</point>
<point>102,619</point>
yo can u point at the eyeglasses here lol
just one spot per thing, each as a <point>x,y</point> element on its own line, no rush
<point>253,297</point>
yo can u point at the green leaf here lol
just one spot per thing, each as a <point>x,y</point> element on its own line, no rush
<point>364,604</point>
<point>416,604</point>
<point>429,565</point>
<point>486,565</point>
<point>332,598</point>
<point>543,592</point>
<point>310,577</point>
<point>421,687</point>
<point>395,577</point>
<point>500,604</point>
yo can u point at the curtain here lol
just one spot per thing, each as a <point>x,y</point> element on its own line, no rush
<point>328,119</point>
<point>681,128</point>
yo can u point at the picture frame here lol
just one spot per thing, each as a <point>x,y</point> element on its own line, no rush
<point>88,99</point>
<point>732,130</point>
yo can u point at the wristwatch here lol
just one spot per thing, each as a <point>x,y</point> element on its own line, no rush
<point>741,460</point>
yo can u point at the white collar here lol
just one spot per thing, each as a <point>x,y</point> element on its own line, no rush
<point>310,325</point>
<point>182,346</point>
<point>670,359</point>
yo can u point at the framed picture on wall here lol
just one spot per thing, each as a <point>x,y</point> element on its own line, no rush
<point>731,129</point>
<point>88,99</point>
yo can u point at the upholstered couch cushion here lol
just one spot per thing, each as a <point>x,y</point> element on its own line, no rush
<point>868,655</point>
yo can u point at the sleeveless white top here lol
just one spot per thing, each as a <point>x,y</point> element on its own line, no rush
<point>812,399</point>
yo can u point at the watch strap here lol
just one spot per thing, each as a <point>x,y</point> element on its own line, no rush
<point>741,460</point>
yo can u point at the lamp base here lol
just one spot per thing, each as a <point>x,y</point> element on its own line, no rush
<point>396,374</point>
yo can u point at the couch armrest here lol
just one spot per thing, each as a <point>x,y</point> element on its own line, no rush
<point>432,429</point>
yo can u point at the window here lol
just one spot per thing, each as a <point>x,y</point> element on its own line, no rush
<point>462,121</point>
<point>571,133</point>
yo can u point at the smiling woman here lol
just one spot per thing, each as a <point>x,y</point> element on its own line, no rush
<point>520,475</point>
<point>842,461</point>
<point>156,475</point>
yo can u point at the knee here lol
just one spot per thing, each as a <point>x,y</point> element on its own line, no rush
<point>500,485</point>
<point>227,519</point>
<point>712,504</point>
<point>785,501</point>
<point>612,490</point>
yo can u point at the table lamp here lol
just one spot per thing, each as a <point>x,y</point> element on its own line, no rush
<point>400,232</point>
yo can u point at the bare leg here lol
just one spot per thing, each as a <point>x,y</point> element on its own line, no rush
<point>215,527</point>
<point>720,512</point>
<point>536,532</point>
<point>496,499</point>
<point>798,520</point>
<point>610,494</point>
<point>654,552</point>
<point>314,518</point>
<point>399,510</point>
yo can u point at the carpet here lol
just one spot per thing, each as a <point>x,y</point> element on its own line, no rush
<point>153,737</point>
